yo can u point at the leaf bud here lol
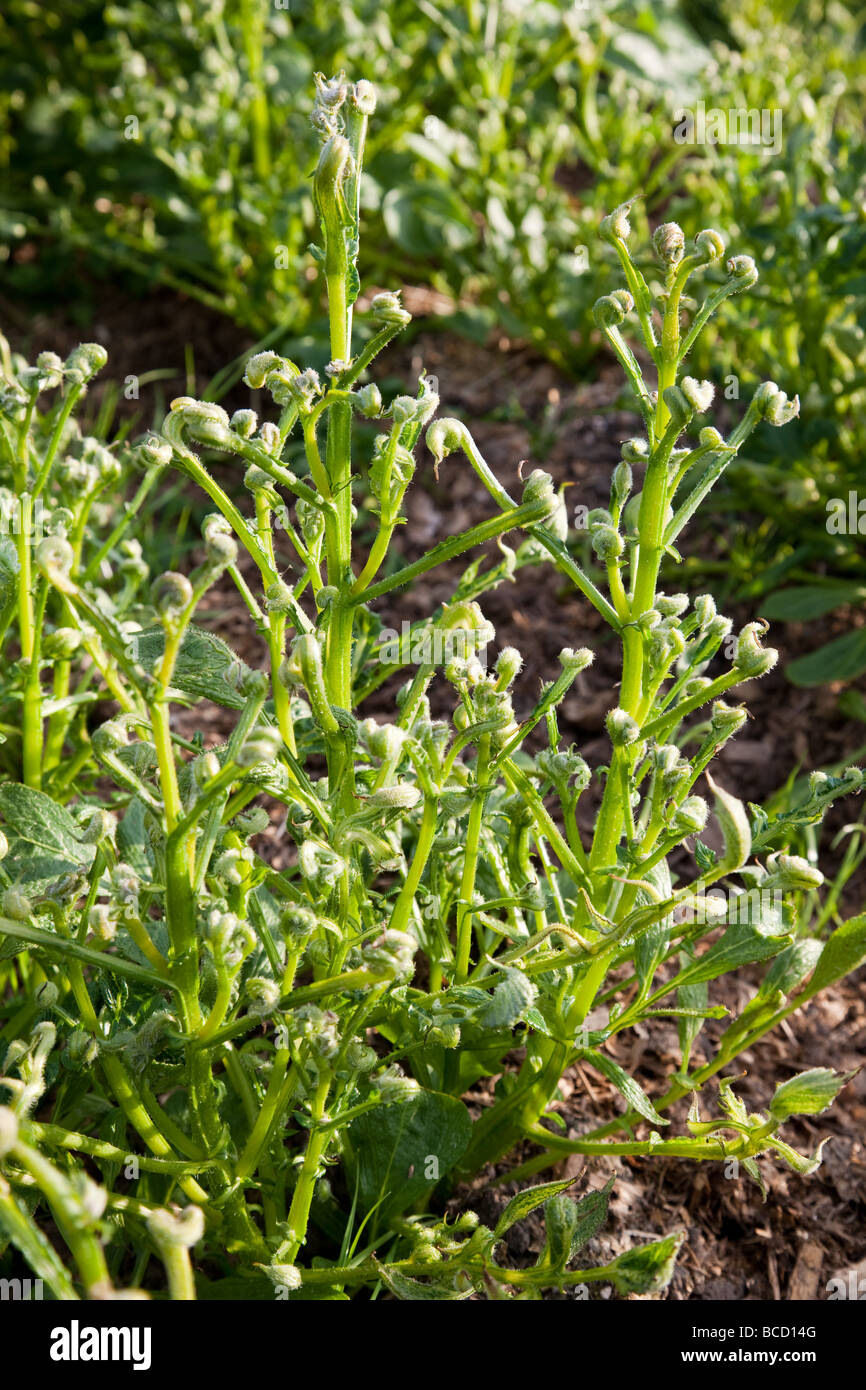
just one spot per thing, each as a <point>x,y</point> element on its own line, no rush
<point>55,558</point>
<point>15,905</point>
<point>392,955</point>
<point>743,271</point>
<point>298,922</point>
<point>691,817</point>
<point>621,484</point>
<point>263,746</point>
<point>616,226</point>
<point>607,543</point>
<point>611,309</point>
<point>62,643</point>
<point>393,1087</point>
<point>573,662</point>
<point>263,995</point>
<point>369,400</point>
<point>84,362</point>
<point>269,438</point>
<point>170,594</point>
<point>244,423</point>
<point>751,659</point>
<point>699,394</point>
<point>672,605</point>
<point>171,1230</point>
<point>152,452</point>
<point>255,821</point>
<point>319,863</point>
<point>283,1276</point>
<point>709,245</point>
<point>445,436</point>
<point>360,1057</point>
<point>790,872</point>
<point>726,720</point>
<point>50,370</point>
<point>279,598</point>
<point>622,728</point>
<point>509,664</point>
<point>669,242</point>
<point>404,796</point>
<point>102,923</point>
<point>539,488</point>
<point>259,365</point>
<point>363,96</point>
<point>388,312</point>
<point>635,451</point>
<point>204,421</point>
<point>773,405</point>
<point>680,407</point>
<point>311,519</point>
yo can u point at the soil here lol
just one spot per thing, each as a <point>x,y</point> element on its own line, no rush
<point>524,415</point>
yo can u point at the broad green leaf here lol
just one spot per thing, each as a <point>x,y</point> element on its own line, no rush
<point>526,1202</point>
<point>560,1218</point>
<point>637,1098</point>
<point>650,950</point>
<point>202,663</point>
<point>843,659</point>
<point>413,1291</point>
<point>510,1001</point>
<point>399,1152</point>
<point>790,967</point>
<point>37,820</point>
<point>691,997</point>
<point>852,704</point>
<point>759,1013</point>
<point>844,952</point>
<point>809,601</point>
<point>43,838</point>
<point>731,815</point>
<point>647,1268</point>
<point>571,1224</point>
<point>591,1215</point>
<point>652,944</point>
<point>739,946</point>
<point>537,1020</point>
<point>804,1164</point>
<point>765,910</point>
<point>133,841</point>
<point>425,216</point>
<point>809,1093</point>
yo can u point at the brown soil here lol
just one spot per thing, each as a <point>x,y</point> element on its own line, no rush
<point>520,410</point>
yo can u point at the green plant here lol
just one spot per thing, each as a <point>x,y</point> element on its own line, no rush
<point>63,485</point>
<point>191,148</point>
<point>439,899</point>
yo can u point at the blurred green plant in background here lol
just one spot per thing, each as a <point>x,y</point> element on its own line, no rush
<point>168,140</point>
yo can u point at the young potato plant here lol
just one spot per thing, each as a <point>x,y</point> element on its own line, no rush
<point>267,1057</point>
<point>58,482</point>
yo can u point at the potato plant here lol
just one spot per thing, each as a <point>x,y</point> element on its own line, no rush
<point>259,987</point>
